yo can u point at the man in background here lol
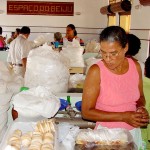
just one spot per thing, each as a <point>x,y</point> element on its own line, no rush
<point>13,35</point>
<point>19,50</point>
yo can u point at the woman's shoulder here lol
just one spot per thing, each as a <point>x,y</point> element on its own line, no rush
<point>94,69</point>
<point>136,63</point>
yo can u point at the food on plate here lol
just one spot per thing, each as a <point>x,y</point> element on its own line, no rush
<point>18,132</point>
<point>42,138</point>
<point>15,139</point>
<point>47,147</point>
<point>26,139</point>
<point>45,126</point>
<point>48,138</point>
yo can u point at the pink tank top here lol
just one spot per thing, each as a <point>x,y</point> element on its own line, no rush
<point>118,93</point>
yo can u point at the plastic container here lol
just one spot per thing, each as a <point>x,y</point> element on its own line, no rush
<point>64,104</point>
<point>68,100</point>
<point>24,89</point>
<point>78,105</point>
<point>56,43</point>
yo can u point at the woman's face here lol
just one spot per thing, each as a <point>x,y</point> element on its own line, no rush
<point>112,53</point>
<point>69,32</point>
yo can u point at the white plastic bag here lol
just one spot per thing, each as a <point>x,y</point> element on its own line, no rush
<point>3,117</point>
<point>89,62</point>
<point>47,68</point>
<point>115,138</point>
<point>3,86</point>
<point>4,72</point>
<point>9,82</point>
<point>36,102</point>
<point>74,43</point>
<point>5,98</point>
<point>42,39</point>
<point>75,55</point>
<point>92,46</point>
<point>66,135</point>
<point>15,84</point>
<point>76,80</point>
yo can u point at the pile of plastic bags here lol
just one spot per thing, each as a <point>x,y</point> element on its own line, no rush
<point>47,68</point>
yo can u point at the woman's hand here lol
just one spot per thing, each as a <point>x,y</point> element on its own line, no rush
<point>136,119</point>
<point>144,112</point>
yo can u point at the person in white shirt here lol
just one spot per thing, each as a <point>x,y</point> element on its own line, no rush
<point>19,50</point>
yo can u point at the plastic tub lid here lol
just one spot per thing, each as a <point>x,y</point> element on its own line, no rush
<point>63,103</point>
<point>78,105</point>
<point>24,88</point>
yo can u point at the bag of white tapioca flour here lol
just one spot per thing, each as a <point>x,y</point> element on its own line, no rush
<point>48,68</point>
<point>36,102</point>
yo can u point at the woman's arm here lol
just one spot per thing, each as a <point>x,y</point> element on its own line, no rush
<point>91,92</point>
<point>141,100</point>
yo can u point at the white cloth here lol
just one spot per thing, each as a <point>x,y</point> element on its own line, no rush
<point>19,49</point>
<point>137,137</point>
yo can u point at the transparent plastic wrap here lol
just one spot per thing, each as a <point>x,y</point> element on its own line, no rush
<point>105,139</point>
<point>47,68</point>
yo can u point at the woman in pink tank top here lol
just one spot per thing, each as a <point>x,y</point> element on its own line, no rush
<point>113,88</point>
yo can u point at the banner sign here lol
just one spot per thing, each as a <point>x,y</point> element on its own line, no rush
<point>40,8</point>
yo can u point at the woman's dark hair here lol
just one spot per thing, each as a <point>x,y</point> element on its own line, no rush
<point>25,30</point>
<point>134,45</point>
<point>147,67</point>
<point>73,28</point>
<point>18,30</point>
<point>0,30</point>
<point>114,34</point>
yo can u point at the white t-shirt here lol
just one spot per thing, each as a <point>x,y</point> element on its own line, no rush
<point>19,49</point>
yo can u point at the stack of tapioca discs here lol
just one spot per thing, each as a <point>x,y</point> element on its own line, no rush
<point>42,138</point>
<point>45,126</point>
<point>15,140</point>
